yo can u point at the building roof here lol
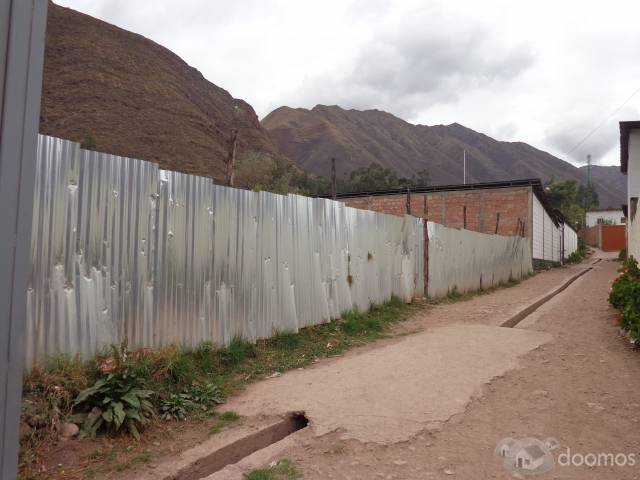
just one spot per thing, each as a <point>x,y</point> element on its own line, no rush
<point>625,129</point>
<point>533,182</point>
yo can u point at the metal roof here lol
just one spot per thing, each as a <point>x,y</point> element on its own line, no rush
<point>533,182</point>
<point>625,129</point>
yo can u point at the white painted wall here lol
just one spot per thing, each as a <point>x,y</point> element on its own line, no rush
<point>546,235</point>
<point>633,190</point>
<point>570,240</point>
<point>606,216</point>
<point>538,229</point>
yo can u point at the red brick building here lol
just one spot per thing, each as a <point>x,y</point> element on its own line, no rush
<point>517,207</point>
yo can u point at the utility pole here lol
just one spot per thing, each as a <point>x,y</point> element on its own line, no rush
<point>231,158</point>
<point>588,170</point>
<point>334,184</point>
<point>464,167</point>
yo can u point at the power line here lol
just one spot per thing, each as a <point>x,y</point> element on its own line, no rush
<point>603,122</point>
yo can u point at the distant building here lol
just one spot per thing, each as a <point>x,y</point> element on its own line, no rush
<point>517,207</point>
<point>606,229</point>
<point>605,216</point>
<point>630,165</point>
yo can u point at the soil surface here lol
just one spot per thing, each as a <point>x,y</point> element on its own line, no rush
<point>581,388</point>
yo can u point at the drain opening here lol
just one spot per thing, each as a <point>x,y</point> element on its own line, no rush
<point>236,451</point>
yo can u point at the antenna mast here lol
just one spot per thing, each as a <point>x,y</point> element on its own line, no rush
<point>464,167</point>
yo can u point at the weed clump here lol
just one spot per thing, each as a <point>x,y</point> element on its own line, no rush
<point>283,470</point>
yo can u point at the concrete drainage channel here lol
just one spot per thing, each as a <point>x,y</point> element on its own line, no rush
<point>525,312</point>
<point>235,450</point>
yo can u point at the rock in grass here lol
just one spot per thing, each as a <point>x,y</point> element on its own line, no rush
<point>69,430</point>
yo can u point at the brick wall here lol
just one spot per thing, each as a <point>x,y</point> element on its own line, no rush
<point>448,208</point>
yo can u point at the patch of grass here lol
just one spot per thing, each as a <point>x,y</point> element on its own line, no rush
<point>141,459</point>
<point>224,419</point>
<point>453,294</point>
<point>180,366</point>
<point>238,350</point>
<point>229,416</point>
<point>283,470</point>
<point>285,340</point>
<point>355,323</point>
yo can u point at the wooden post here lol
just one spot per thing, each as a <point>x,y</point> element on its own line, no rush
<point>334,182</point>
<point>425,206</point>
<point>464,217</point>
<point>408,201</point>
<point>231,159</point>
<point>497,222</point>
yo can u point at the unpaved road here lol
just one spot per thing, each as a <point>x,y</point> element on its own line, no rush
<point>435,404</point>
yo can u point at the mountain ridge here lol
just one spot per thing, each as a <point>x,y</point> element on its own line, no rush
<point>357,138</point>
<point>133,97</point>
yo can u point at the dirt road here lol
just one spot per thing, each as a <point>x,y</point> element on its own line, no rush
<point>435,404</point>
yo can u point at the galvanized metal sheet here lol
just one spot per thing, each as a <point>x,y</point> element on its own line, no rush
<point>122,249</point>
<point>466,261</point>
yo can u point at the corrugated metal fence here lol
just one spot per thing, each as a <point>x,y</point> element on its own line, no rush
<point>122,249</point>
<point>467,261</point>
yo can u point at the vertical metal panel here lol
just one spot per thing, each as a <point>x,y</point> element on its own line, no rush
<point>125,250</point>
<point>538,229</point>
<point>466,261</point>
<point>22,27</point>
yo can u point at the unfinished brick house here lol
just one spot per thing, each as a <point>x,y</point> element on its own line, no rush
<point>517,207</point>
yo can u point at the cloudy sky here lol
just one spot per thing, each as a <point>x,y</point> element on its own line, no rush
<point>546,72</point>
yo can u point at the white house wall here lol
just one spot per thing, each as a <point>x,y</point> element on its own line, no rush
<point>613,217</point>
<point>570,241</point>
<point>633,190</point>
<point>538,228</point>
<point>547,235</point>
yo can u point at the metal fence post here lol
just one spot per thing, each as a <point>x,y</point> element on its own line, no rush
<point>22,30</point>
<point>425,263</point>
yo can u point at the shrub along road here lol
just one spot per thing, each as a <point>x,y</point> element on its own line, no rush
<point>435,404</point>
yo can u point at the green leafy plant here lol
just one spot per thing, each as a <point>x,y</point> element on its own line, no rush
<point>205,395</point>
<point>201,396</point>
<point>622,256</point>
<point>625,296</point>
<point>176,406</point>
<point>117,399</point>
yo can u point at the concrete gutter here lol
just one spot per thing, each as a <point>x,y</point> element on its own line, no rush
<point>529,309</point>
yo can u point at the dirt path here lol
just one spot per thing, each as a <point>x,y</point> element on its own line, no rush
<point>576,380</point>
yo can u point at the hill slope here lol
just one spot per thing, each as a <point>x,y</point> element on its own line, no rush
<point>358,138</point>
<point>138,99</point>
